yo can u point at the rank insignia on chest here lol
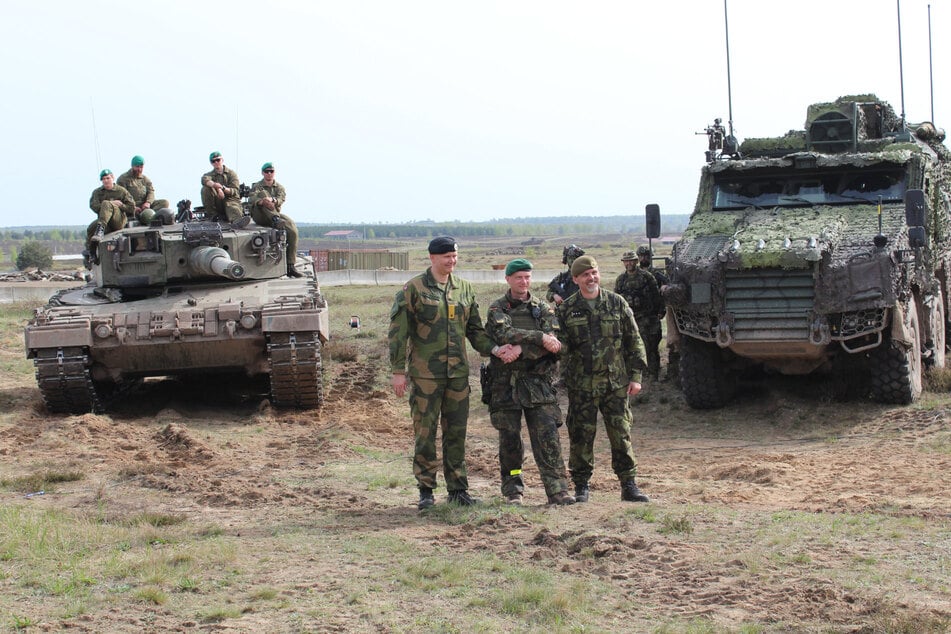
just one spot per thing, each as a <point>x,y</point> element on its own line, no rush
<point>452,311</point>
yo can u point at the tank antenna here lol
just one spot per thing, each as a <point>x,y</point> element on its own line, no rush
<point>95,135</point>
<point>930,65</point>
<point>729,83</point>
<point>901,68</point>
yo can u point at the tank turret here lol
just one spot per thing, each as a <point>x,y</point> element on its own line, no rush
<point>170,299</point>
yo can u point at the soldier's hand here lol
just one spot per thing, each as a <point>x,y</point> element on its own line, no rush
<point>633,388</point>
<point>399,384</point>
<point>551,343</point>
<point>220,192</point>
<point>558,298</point>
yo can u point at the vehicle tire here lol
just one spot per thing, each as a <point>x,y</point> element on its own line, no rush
<point>706,381</point>
<point>895,368</point>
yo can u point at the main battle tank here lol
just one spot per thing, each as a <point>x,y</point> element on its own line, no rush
<point>182,298</point>
<point>827,249</point>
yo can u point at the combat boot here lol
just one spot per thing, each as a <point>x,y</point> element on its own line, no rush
<point>277,222</point>
<point>293,272</point>
<point>462,498</point>
<point>241,222</point>
<point>98,234</point>
<point>561,498</point>
<point>630,492</point>
<point>426,498</point>
<point>582,493</point>
<point>514,498</point>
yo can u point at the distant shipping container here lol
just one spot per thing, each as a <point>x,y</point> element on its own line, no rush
<point>360,259</point>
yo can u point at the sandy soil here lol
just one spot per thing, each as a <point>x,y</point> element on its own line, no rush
<point>218,456</point>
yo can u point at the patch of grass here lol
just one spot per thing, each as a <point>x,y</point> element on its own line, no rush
<point>670,524</point>
<point>217,615</point>
<point>263,594</point>
<point>152,594</point>
<point>642,513</point>
<point>40,481</point>
<point>158,520</point>
<point>21,623</point>
<point>341,351</point>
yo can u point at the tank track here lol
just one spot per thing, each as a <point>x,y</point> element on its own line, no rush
<point>296,370</point>
<point>63,377</point>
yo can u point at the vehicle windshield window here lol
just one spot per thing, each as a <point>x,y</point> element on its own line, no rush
<point>798,189</point>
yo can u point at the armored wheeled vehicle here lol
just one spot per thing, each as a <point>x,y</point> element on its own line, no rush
<point>182,298</point>
<point>823,250</point>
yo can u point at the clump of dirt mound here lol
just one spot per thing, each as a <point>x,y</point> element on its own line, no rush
<point>178,440</point>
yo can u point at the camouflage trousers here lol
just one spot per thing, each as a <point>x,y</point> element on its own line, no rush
<point>110,216</point>
<point>582,422</point>
<point>444,402</point>
<point>263,217</point>
<point>651,334</point>
<point>222,207</point>
<point>542,422</point>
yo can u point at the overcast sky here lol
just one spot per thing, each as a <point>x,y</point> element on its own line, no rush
<point>385,111</point>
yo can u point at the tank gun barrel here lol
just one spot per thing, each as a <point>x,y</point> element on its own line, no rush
<point>215,261</point>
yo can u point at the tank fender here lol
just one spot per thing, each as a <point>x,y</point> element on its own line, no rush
<point>75,333</point>
<point>901,324</point>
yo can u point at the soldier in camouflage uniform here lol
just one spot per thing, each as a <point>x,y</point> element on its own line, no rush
<point>143,193</point>
<point>221,193</point>
<point>640,290</point>
<point>646,259</point>
<point>431,318</point>
<point>603,357</point>
<point>525,385</point>
<point>562,285</point>
<point>267,198</point>
<point>112,205</point>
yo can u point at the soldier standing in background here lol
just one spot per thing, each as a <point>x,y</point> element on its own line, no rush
<point>641,291</point>
<point>563,286</point>
<point>525,385</point>
<point>267,198</point>
<point>646,259</point>
<point>221,193</point>
<point>431,318</point>
<point>112,205</point>
<point>143,193</point>
<point>603,358</point>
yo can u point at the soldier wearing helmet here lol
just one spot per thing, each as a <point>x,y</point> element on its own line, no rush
<point>563,286</point>
<point>645,258</point>
<point>640,289</point>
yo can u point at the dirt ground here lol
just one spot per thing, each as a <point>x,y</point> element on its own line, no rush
<point>796,513</point>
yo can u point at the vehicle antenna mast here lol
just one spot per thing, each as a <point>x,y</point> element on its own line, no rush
<point>901,67</point>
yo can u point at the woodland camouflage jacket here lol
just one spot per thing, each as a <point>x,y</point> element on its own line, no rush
<point>601,349</point>
<point>429,328</point>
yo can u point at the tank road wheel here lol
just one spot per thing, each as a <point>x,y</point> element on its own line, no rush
<point>895,367</point>
<point>706,381</point>
<point>296,369</point>
<point>62,375</point>
<point>935,337</point>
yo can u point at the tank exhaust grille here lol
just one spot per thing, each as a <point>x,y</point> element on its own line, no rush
<point>832,132</point>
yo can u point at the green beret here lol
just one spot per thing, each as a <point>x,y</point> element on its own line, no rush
<point>104,173</point>
<point>582,264</point>
<point>442,244</point>
<point>137,161</point>
<point>213,156</point>
<point>516,265</point>
<point>267,166</point>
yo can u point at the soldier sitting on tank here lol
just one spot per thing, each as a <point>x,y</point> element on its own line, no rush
<point>267,198</point>
<point>112,204</point>
<point>143,193</point>
<point>220,193</point>
<point>563,286</point>
<point>641,291</point>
